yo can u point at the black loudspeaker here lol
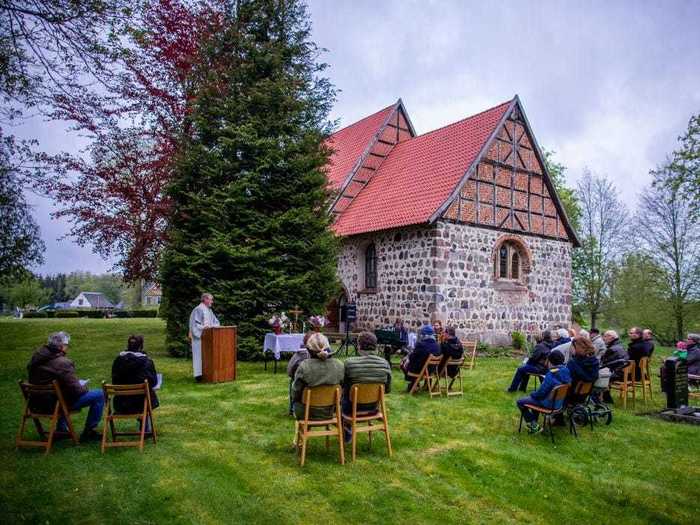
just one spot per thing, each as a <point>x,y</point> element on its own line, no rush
<point>674,382</point>
<point>348,313</point>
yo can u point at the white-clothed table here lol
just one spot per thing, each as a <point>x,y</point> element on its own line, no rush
<point>283,343</point>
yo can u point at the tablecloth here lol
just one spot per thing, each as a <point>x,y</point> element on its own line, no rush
<point>282,343</point>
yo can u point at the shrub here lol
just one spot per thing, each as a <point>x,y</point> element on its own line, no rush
<point>35,315</point>
<point>66,314</point>
<point>519,340</point>
<point>91,314</point>
<point>143,313</point>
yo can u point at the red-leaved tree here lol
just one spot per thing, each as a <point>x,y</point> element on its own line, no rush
<point>112,192</point>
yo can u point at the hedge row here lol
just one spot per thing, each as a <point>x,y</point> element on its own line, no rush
<point>91,314</point>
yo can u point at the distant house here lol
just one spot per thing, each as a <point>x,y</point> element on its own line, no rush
<point>152,294</point>
<point>91,300</point>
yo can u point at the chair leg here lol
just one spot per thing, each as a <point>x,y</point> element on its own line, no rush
<point>143,433</point>
<point>52,430</point>
<point>551,429</point>
<point>153,427</point>
<point>572,427</point>
<point>303,444</point>
<point>386,434</point>
<point>341,439</point>
<point>520,426</point>
<point>328,438</point>
<point>353,429</point>
<point>104,430</point>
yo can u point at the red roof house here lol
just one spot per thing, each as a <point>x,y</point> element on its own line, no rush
<point>482,178</point>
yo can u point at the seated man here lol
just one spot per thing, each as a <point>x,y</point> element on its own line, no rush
<point>367,368</point>
<point>318,369</point>
<point>615,357</point>
<point>598,342</point>
<point>693,356</point>
<point>557,375</point>
<point>451,348</point>
<point>425,347</point>
<point>563,337</point>
<point>50,362</point>
<point>648,337</point>
<point>132,367</point>
<point>536,363</point>
<point>637,348</point>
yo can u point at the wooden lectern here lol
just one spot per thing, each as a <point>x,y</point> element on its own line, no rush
<point>219,354</point>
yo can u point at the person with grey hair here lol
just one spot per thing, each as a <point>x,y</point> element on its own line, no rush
<point>201,317</point>
<point>50,363</point>
<point>566,348</point>
<point>693,356</point>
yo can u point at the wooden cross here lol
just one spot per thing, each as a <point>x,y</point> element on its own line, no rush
<point>297,312</point>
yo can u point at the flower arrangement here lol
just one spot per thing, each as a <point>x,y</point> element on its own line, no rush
<point>317,322</point>
<point>278,322</point>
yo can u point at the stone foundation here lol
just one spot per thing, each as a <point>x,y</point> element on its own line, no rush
<point>446,271</point>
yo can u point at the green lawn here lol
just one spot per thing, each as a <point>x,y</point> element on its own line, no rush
<point>225,456</point>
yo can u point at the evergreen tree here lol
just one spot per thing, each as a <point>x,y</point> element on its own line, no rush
<point>251,224</point>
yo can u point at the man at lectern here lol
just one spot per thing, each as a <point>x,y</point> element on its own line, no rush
<point>201,317</point>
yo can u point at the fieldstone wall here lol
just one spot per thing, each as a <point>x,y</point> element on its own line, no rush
<point>446,271</point>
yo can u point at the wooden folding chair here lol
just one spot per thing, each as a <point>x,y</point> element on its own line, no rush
<point>627,385</point>
<point>428,376</point>
<point>558,394</point>
<point>144,416</point>
<point>362,394</point>
<point>449,381</point>
<point>469,353</point>
<point>323,396</point>
<point>44,394</point>
<point>644,379</point>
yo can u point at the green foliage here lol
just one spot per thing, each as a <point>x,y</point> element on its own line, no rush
<point>567,195</point>
<point>250,190</point>
<point>224,453</point>
<point>57,285</point>
<point>66,314</point>
<point>519,340</point>
<point>25,292</point>
<point>109,284</point>
<point>35,315</point>
<point>685,163</point>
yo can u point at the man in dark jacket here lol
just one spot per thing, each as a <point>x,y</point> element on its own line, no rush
<point>425,347</point>
<point>648,337</point>
<point>536,364</point>
<point>637,347</point>
<point>693,356</point>
<point>615,357</point>
<point>451,348</point>
<point>50,362</point>
<point>557,375</point>
<point>131,367</point>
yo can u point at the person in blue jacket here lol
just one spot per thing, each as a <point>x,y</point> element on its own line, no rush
<point>557,375</point>
<point>536,363</point>
<point>425,347</point>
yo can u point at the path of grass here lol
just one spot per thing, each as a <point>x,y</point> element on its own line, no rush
<point>224,455</point>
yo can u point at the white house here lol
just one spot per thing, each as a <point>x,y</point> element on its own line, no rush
<point>91,300</point>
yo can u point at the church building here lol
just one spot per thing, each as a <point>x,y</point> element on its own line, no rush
<point>460,224</point>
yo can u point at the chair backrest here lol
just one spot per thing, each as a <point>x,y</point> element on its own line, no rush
<point>51,392</point>
<point>583,388</point>
<point>138,389</point>
<point>558,393</point>
<point>628,371</point>
<point>365,393</point>
<point>469,346</point>
<point>321,396</point>
<point>455,362</point>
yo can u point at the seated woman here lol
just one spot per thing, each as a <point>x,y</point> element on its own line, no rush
<point>451,348</point>
<point>583,365</point>
<point>536,364</point>
<point>425,347</point>
<point>319,369</point>
<point>133,366</point>
<point>557,375</point>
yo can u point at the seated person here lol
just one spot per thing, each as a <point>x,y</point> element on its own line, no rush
<point>536,363</point>
<point>598,343</point>
<point>565,348</point>
<point>50,362</point>
<point>367,368</point>
<point>425,347</point>
<point>131,367</point>
<point>615,357</point>
<point>693,355</point>
<point>319,369</point>
<point>451,348</point>
<point>439,332</point>
<point>557,375</point>
<point>293,364</point>
<point>583,365</point>
<point>648,337</point>
<point>400,330</point>
<point>637,348</point>
<point>562,338</point>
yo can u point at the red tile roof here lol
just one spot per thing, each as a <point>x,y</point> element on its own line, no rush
<point>418,176</point>
<point>350,142</point>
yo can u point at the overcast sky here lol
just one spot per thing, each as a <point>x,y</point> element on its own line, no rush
<point>607,85</point>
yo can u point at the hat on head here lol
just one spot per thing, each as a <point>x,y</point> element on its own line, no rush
<point>427,329</point>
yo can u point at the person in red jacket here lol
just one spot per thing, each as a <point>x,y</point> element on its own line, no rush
<point>50,362</point>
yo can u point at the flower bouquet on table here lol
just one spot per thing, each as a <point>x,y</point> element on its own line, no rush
<point>317,322</point>
<point>279,322</point>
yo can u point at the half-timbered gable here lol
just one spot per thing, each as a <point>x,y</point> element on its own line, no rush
<point>460,224</point>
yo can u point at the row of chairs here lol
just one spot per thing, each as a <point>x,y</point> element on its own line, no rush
<point>328,396</point>
<point>629,383</point>
<point>436,380</point>
<point>37,395</point>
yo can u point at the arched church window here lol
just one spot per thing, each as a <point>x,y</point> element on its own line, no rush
<point>509,263</point>
<point>370,267</point>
